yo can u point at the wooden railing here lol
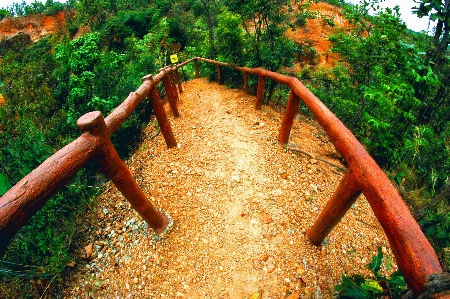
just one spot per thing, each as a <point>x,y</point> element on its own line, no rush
<point>414,255</point>
<point>25,198</point>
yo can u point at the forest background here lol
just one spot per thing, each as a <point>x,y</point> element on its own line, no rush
<point>390,88</point>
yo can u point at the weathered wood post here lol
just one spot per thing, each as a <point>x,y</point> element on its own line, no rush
<point>219,75</point>
<point>197,73</point>
<point>180,86</point>
<point>110,163</point>
<point>174,86</point>
<point>345,195</point>
<point>260,92</point>
<point>170,93</point>
<point>288,118</point>
<point>245,82</point>
<point>160,114</point>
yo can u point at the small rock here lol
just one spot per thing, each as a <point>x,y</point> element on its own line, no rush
<point>235,178</point>
<point>294,295</point>
<point>136,280</point>
<point>179,294</point>
<point>265,217</point>
<point>256,295</point>
<point>270,268</point>
<point>265,257</point>
<point>313,161</point>
<point>88,250</point>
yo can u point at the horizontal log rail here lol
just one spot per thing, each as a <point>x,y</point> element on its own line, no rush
<point>414,255</point>
<point>30,194</point>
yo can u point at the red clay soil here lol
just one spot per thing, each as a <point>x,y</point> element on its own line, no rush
<point>317,31</point>
<point>36,26</point>
<point>241,204</point>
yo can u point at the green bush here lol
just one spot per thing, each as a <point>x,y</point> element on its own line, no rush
<point>378,286</point>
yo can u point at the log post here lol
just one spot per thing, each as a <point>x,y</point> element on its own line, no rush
<point>260,92</point>
<point>180,86</point>
<point>219,75</point>
<point>160,114</point>
<point>174,85</point>
<point>288,118</point>
<point>117,171</point>
<point>197,73</point>
<point>245,82</point>
<point>346,194</point>
<point>170,93</point>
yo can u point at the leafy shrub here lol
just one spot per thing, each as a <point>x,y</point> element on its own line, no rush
<point>437,228</point>
<point>379,286</point>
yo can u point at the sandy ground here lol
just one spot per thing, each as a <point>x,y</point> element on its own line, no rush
<point>241,204</point>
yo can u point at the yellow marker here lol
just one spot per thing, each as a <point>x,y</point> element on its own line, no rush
<point>174,58</point>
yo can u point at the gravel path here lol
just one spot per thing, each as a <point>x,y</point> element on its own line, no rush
<point>241,205</point>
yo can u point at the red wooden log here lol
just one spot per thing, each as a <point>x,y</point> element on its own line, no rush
<point>197,73</point>
<point>180,86</point>
<point>245,82</point>
<point>288,118</point>
<point>30,194</point>
<point>260,92</point>
<point>122,112</point>
<point>219,75</point>
<point>174,86</point>
<point>161,117</point>
<point>170,94</point>
<point>343,198</point>
<point>414,255</point>
<point>110,163</point>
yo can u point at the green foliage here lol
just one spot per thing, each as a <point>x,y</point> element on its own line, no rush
<point>379,286</point>
<point>437,227</point>
<point>19,9</point>
<point>3,14</point>
<point>230,39</point>
<point>304,13</point>
<point>5,185</point>
<point>265,26</point>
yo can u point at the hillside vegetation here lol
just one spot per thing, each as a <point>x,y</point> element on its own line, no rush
<point>389,85</point>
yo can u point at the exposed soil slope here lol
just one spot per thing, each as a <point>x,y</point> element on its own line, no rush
<point>241,205</point>
<point>36,26</point>
<point>316,32</point>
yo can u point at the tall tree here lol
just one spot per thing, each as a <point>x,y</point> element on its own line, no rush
<point>437,55</point>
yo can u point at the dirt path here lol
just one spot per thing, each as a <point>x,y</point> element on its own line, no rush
<point>241,205</point>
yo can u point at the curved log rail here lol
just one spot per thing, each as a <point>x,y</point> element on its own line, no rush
<point>25,198</point>
<point>414,255</point>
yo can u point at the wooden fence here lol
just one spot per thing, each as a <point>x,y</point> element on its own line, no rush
<point>414,255</point>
